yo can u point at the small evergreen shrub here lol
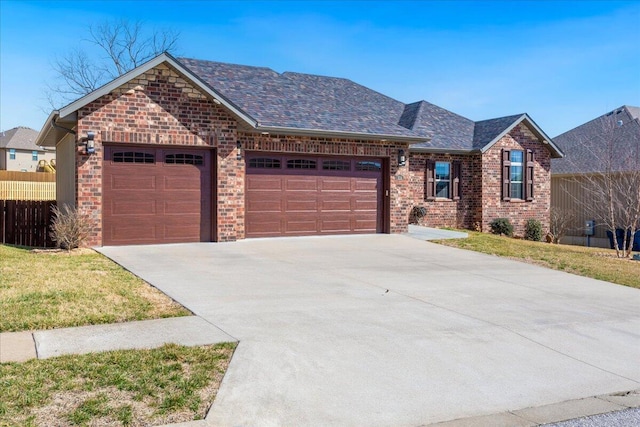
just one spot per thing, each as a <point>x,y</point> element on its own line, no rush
<point>533,230</point>
<point>501,226</point>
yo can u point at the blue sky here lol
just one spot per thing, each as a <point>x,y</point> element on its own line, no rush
<point>564,63</point>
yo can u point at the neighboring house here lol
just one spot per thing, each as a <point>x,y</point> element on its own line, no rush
<point>19,152</point>
<point>609,143</point>
<point>190,150</point>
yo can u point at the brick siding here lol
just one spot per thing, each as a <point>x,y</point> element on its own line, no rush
<point>160,107</point>
<point>481,187</point>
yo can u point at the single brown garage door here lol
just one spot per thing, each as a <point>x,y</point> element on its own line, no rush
<point>299,196</point>
<point>156,195</point>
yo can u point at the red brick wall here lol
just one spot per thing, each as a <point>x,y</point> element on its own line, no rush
<point>481,193</point>
<point>160,107</point>
<point>518,212</point>
<point>463,213</point>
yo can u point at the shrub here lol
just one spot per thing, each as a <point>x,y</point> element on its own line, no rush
<point>501,226</point>
<point>533,230</point>
<point>69,228</point>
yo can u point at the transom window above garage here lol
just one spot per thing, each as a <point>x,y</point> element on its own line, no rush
<point>264,163</point>
<point>336,165</point>
<point>301,164</point>
<point>184,159</point>
<point>368,165</point>
<point>133,157</point>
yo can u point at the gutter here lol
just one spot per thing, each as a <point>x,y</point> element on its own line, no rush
<point>338,134</point>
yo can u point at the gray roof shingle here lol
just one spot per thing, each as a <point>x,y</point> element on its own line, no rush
<point>447,130</point>
<point>486,131</point>
<point>602,143</point>
<point>20,138</point>
<point>302,101</point>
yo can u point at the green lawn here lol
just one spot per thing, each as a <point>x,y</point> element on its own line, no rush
<point>597,263</point>
<point>45,290</point>
<point>119,388</point>
<point>142,387</point>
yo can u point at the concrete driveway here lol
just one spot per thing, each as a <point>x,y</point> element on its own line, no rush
<point>386,330</point>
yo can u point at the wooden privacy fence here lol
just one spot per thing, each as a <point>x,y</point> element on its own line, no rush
<point>26,190</point>
<point>27,176</point>
<point>26,222</point>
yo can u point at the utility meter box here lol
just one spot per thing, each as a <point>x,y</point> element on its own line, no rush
<point>589,227</point>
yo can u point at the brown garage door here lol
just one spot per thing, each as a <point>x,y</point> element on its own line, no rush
<point>298,196</point>
<point>156,195</point>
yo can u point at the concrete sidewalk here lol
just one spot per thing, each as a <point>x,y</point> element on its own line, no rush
<point>188,330</point>
<point>427,233</point>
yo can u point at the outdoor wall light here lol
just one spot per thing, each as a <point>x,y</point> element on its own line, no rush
<point>89,143</point>
<point>402,158</point>
<point>239,147</point>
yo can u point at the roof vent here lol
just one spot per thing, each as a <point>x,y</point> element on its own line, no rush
<point>620,123</point>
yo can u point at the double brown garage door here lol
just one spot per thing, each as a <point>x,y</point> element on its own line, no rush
<point>164,195</point>
<point>156,195</point>
<point>298,195</point>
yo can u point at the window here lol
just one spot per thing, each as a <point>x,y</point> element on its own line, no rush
<point>184,159</point>
<point>34,156</point>
<point>264,163</point>
<point>368,165</point>
<point>301,164</point>
<point>336,165</point>
<point>443,180</point>
<point>517,175</point>
<point>133,157</point>
<point>12,154</point>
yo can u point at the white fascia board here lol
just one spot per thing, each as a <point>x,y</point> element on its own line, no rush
<point>525,117</point>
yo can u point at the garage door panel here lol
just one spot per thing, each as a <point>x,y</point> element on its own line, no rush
<point>132,207</point>
<point>131,182</point>
<point>265,226</point>
<point>182,183</point>
<point>274,205</point>
<point>296,204</point>
<point>371,185</point>
<point>335,184</point>
<point>336,225</point>
<point>295,226</point>
<point>155,202</point>
<point>313,201</point>
<point>183,208</point>
<point>301,183</point>
<point>132,231</point>
<point>264,183</point>
<point>335,205</point>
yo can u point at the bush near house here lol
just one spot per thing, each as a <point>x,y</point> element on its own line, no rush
<point>501,226</point>
<point>533,230</point>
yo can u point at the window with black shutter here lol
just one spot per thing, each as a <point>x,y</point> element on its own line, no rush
<point>506,175</point>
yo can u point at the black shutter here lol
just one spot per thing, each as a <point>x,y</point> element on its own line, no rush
<point>431,180</point>
<point>529,176</point>
<point>506,175</point>
<point>456,190</point>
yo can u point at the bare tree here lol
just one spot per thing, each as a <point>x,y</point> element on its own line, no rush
<point>116,47</point>
<point>608,150</point>
<point>560,222</point>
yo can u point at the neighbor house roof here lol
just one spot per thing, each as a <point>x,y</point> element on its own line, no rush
<point>20,138</point>
<point>609,142</point>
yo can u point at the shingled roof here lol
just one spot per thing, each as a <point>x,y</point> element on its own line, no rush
<point>302,101</point>
<point>267,101</point>
<point>20,138</point>
<point>609,142</point>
